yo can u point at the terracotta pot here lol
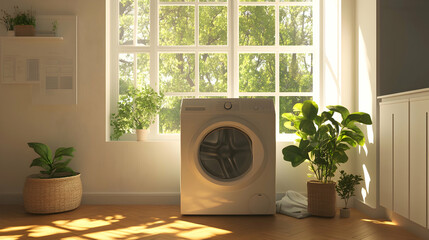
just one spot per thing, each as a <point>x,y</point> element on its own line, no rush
<point>344,212</point>
<point>52,195</point>
<point>321,198</point>
<point>141,134</point>
<point>24,30</point>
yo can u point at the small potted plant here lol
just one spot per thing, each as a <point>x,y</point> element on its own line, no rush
<point>346,189</point>
<point>24,23</point>
<point>323,142</point>
<point>8,21</point>
<point>137,110</point>
<point>57,188</point>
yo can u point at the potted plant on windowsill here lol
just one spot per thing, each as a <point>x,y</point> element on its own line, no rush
<point>57,188</point>
<point>323,142</point>
<point>137,110</point>
<point>346,189</point>
<point>24,23</point>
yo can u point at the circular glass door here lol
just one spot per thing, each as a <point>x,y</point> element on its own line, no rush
<point>226,153</point>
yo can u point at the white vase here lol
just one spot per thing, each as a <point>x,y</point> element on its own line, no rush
<point>141,134</point>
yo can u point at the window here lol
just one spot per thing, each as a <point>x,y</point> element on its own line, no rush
<point>215,48</point>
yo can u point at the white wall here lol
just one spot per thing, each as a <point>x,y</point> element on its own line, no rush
<point>365,43</point>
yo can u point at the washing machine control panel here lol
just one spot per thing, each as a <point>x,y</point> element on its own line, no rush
<point>228,104</point>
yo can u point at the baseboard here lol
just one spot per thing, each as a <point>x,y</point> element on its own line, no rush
<point>11,198</point>
<point>110,198</point>
<point>378,213</point>
<point>155,198</point>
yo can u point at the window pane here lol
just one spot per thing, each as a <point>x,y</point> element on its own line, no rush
<point>176,0</point>
<point>176,25</point>
<point>286,106</point>
<point>126,22</point>
<point>126,72</point>
<point>296,0</point>
<point>213,72</point>
<point>257,25</point>
<point>176,72</point>
<point>143,26</point>
<point>296,72</point>
<point>257,72</point>
<point>257,0</point>
<point>213,25</point>
<point>143,77</point>
<point>169,116</point>
<point>296,25</point>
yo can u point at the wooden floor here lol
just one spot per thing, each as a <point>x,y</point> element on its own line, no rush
<point>165,222</point>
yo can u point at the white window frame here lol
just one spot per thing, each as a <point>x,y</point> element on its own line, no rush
<point>233,49</point>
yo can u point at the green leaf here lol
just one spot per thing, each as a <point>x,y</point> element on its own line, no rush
<point>293,154</point>
<point>289,116</point>
<point>340,157</point>
<point>309,109</point>
<point>355,136</point>
<point>343,147</point>
<point>288,125</point>
<point>43,150</point>
<point>61,165</point>
<point>40,163</point>
<point>307,126</point>
<point>350,141</point>
<point>359,132</point>
<point>340,109</point>
<point>361,117</point>
<point>297,107</point>
<point>62,151</point>
<point>65,169</point>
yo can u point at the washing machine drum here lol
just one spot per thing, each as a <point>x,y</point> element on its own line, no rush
<point>225,154</point>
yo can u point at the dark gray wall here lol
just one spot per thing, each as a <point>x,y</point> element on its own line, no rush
<point>402,45</point>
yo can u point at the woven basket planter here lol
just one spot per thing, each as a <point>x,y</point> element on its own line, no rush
<point>52,195</point>
<point>321,198</point>
<point>24,30</point>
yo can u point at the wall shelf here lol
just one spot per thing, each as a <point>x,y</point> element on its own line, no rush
<point>32,38</point>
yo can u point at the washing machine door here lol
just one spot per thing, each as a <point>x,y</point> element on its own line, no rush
<point>225,153</point>
<point>228,153</point>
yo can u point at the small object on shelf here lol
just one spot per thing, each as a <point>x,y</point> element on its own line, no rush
<point>24,30</point>
<point>24,23</point>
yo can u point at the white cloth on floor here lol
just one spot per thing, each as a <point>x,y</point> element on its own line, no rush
<point>293,204</point>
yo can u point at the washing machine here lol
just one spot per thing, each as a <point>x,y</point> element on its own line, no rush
<point>227,157</point>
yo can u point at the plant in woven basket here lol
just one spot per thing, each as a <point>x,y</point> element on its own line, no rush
<point>54,165</point>
<point>323,141</point>
<point>346,186</point>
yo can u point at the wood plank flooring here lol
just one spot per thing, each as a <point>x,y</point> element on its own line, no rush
<point>165,222</point>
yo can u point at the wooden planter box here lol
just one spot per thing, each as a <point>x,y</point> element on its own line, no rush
<point>24,30</point>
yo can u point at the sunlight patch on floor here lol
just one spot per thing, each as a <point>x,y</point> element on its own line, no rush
<point>179,228</point>
<point>44,231</point>
<point>380,222</point>
<point>10,237</point>
<point>86,223</point>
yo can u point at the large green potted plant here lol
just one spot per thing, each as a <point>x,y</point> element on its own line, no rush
<point>57,188</point>
<point>137,110</point>
<point>323,142</point>
<point>346,189</point>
